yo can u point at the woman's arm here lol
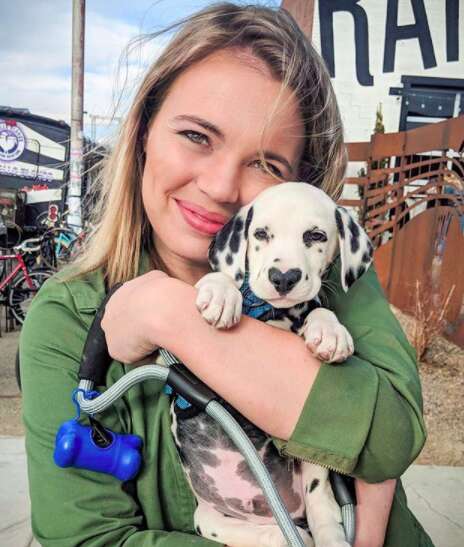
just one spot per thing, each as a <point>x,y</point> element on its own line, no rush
<point>264,372</point>
<point>373,506</point>
<point>362,418</point>
<point>74,506</point>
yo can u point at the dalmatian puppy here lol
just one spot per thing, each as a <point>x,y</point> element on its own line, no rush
<point>279,245</point>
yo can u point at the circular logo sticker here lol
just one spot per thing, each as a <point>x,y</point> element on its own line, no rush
<point>12,141</point>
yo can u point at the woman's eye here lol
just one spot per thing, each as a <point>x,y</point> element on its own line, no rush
<point>195,136</point>
<point>266,167</point>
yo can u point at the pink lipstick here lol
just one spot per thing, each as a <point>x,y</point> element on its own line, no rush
<point>200,219</point>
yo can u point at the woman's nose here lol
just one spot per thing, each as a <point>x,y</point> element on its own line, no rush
<point>220,182</point>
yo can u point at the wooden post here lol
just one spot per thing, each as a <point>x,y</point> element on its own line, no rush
<point>303,13</point>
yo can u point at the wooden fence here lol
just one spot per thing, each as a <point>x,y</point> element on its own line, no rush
<point>410,200</point>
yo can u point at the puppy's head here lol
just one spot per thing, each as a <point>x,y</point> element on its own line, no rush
<point>285,239</point>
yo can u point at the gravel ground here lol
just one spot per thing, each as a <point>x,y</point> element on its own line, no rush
<point>442,377</point>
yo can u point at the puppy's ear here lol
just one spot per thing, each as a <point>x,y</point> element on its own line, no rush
<point>355,247</point>
<point>227,252</point>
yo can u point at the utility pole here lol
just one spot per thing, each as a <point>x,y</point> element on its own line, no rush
<point>77,103</point>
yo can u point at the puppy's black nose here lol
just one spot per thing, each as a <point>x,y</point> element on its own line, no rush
<point>284,282</point>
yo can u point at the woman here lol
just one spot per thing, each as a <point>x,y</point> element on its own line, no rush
<point>237,102</point>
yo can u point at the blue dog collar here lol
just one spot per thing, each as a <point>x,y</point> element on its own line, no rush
<point>252,305</point>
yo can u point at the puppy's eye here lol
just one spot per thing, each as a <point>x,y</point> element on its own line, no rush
<point>261,234</point>
<point>311,236</point>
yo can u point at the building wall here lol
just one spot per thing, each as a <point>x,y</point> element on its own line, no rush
<point>359,101</point>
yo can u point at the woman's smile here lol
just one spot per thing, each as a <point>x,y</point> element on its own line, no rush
<point>200,219</point>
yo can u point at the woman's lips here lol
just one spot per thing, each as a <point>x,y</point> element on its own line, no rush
<point>200,219</point>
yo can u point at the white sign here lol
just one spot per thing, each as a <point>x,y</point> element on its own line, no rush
<point>12,141</point>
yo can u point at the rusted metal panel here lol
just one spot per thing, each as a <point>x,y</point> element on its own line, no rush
<point>436,136</point>
<point>406,200</point>
<point>358,151</point>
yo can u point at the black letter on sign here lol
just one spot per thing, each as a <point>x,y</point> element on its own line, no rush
<point>420,30</point>
<point>361,36</point>
<point>452,34</point>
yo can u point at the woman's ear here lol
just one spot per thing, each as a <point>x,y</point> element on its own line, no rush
<point>227,252</point>
<point>355,247</point>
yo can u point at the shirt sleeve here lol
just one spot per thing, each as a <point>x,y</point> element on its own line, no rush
<point>363,417</point>
<point>72,506</point>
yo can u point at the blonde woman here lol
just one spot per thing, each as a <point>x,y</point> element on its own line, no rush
<point>238,101</point>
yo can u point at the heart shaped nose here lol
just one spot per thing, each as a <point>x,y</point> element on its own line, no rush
<point>284,282</point>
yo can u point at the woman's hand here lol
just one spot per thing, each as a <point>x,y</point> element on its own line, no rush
<point>133,315</point>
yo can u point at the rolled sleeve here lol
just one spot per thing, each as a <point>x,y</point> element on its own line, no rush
<point>364,417</point>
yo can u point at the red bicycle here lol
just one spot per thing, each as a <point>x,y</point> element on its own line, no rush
<point>19,287</point>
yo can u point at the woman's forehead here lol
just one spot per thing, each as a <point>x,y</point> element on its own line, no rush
<point>236,92</point>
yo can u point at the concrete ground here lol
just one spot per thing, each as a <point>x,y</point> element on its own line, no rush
<point>435,493</point>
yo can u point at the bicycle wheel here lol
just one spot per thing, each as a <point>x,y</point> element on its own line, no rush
<point>21,294</point>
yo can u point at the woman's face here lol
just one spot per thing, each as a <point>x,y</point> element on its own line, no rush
<point>203,154</point>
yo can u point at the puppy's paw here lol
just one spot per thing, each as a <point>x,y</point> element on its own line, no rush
<point>272,536</point>
<point>218,300</point>
<point>326,337</point>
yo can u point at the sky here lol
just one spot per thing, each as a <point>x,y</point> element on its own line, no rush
<point>36,52</point>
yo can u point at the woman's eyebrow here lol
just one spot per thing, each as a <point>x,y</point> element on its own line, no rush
<point>268,154</point>
<point>203,123</point>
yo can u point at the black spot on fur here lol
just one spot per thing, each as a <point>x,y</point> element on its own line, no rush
<point>307,277</point>
<point>260,506</point>
<point>220,241</point>
<point>235,237</point>
<point>314,485</point>
<point>276,259</point>
<point>354,241</point>
<point>248,220</point>
<point>239,276</point>
<point>349,278</point>
<point>198,531</point>
<point>214,534</point>
<point>212,255</point>
<point>257,248</point>
<point>339,221</point>
<point>229,259</point>
<point>366,257</point>
<point>360,271</point>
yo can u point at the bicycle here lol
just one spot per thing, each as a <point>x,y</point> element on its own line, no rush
<point>19,287</point>
<point>60,243</point>
<point>57,246</point>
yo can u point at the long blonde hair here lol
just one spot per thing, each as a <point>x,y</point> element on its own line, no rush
<point>122,229</point>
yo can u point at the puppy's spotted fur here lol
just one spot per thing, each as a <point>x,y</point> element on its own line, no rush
<point>281,244</point>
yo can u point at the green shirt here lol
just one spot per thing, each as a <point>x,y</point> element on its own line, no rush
<point>362,418</point>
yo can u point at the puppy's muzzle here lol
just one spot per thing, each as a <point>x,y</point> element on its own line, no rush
<point>284,282</point>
